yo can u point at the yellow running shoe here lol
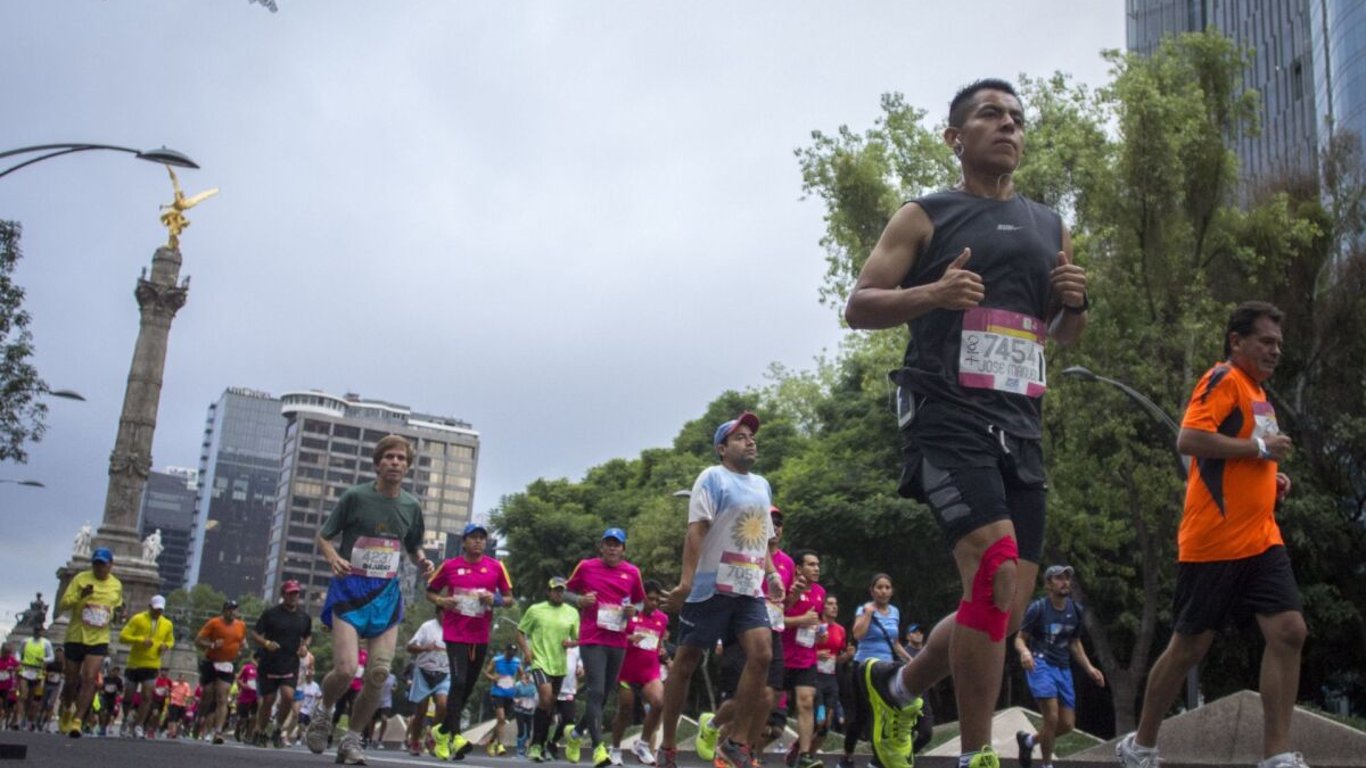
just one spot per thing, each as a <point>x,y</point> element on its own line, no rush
<point>985,758</point>
<point>706,736</point>
<point>892,725</point>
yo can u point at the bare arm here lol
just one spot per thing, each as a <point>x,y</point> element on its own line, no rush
<point>879,301</point>
<point>1212,445</point>
<point>1079,653</point>
<point>1068,282</point>
<point>692,553</point>
<point>340,567</point>
<point>862,622</point>
<point>1022,648</point>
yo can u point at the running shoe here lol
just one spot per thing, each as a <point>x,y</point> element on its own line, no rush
<point>277,739</point>
<point>535,754</point>
<point>1131,755</point>
<point>985,758</point>
<point>573,745</point>
<point>643,752</point>
<point>892,725</point>
<point>218,738</point>
<point>668,758</point>
<point>414,747</point>
<point>1026,749</point>
<point>735,754</point>
<point>460,746</point>
<point>349,750</point>
<point>845,762</point>
<point>441,749</point>
<point>317,735</point>
<point>706,736</point>
<point>614,755</point>
<point>809,761</point>
<point>138,733</point>
<point>793,752</point>
<point>601,758</point>
<point>1284,760</point>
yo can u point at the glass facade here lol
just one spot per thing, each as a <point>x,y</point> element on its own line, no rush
<point>239,472</point>
<point>1282,38</point>
<point>1339,30</point>
<point>168,505</point>
<point>327,451</point>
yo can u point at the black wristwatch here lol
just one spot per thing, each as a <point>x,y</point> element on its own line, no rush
<point>1085,305</point>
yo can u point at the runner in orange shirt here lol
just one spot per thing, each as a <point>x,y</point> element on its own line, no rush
<point>1232,561</point>
<point>221,638</point>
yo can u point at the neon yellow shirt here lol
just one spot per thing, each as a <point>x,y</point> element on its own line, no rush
<point>91,616</point>
<point>141,627</point>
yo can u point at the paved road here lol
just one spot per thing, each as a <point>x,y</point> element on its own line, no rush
<point>53,751</point>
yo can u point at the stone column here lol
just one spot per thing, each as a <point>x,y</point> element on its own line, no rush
<point>159,297</point>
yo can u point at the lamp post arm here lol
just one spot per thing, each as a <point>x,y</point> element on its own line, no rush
<point>163,155</point>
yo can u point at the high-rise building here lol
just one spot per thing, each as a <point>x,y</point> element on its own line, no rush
<point>328,447</point>
<point>168,506</point>
<point>1283,38</point>
<point>239,469</point>
<point>1339,30</point>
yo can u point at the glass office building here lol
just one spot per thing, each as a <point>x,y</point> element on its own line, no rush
<point>168,505</point>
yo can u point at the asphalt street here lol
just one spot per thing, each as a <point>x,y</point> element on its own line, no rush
<point>53,751</point>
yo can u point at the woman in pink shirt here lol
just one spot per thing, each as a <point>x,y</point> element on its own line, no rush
<point>610,591</point>
<point>466,588</point>
<point>640,672</point>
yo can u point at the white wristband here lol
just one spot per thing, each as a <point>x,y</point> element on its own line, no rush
<point>1262,452</point>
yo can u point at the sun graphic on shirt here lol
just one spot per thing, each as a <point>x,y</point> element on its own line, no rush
<point>748,530</point>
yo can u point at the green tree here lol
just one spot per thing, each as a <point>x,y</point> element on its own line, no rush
<point>22,412</point>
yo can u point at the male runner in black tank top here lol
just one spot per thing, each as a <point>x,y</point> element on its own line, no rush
<point>982,277</point>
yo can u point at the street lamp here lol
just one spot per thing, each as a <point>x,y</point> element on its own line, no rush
<point>1152,409</point>
<point>1182,469</point>
<point>66,394</point>
<point>29,483</point>
<point>161,155</point>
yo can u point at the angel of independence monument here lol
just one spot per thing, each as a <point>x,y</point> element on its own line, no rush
<point>159,295</point>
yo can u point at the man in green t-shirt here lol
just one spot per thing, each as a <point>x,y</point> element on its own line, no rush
<point>546,630</point>
<point>378,522</point>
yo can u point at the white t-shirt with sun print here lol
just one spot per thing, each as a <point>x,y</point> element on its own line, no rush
<point>737,508</point>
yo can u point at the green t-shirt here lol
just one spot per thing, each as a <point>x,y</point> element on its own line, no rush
<point>364,511</point>
<point>546,627</point>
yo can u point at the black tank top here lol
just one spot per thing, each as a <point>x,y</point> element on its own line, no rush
<point>1014,246</point>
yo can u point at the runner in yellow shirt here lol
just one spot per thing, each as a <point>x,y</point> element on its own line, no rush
<point>91,598</point>
<point>148,634</point>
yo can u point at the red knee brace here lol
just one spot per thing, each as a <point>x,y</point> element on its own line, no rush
<point>980,613</point>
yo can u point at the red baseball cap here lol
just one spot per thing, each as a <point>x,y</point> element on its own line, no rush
<point>290,586</point>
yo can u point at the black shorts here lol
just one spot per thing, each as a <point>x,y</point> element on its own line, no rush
<point>267,684</point>
<point>108,703</point>
<point>208,675</point>
<point>1211,596</point>
<point>799,678</point>
<point>720,618</point>
<point>174,714</point>
<point>78,651</point>
<point>540,678</point>
<point>972,479</point>
<point>502,702</point>
<point>136,676</point>
<point>733,665</point>
<point>828,691</point>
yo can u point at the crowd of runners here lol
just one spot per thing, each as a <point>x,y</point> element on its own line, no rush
<point>984,279</point>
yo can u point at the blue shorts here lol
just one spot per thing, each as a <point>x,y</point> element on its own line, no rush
<point>371,605</point>
<point>720,617</point>
<point>422,688</point>
<point>1050,682</point>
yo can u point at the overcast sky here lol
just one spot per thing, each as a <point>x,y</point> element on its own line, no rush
<point>570,224</point>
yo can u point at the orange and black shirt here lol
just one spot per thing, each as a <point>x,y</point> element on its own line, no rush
<point>1230,503</point>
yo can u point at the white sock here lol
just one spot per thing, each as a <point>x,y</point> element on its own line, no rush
<point>900,696</point>
<point>965,760</point>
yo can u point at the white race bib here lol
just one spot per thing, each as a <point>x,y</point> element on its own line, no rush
<point>806,636</point>
<point>740,574</point>
<point>222,666</point>
<point>1003,351</point>
<point>468,604</point>
<point>826,666</point>
<point>775,616</point>
<point>375,557</point>
<point>107,688</point>
<point>648,641</point>
<point>95,615</point>
<point>610,618</point>
<point>4,675</point>
<point>160,692</point>
<point>1264,420</point>
<point>505,682</point>
<point>250,685</point>
<point>54,678</point>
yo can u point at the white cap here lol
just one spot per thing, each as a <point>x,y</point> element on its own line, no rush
<point>158,602</point>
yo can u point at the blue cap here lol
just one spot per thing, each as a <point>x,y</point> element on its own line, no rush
<point>723,431</point>
<point>913,627</point>
<point>102,555</point>
<point>614,533</point>
<point>471,528</point>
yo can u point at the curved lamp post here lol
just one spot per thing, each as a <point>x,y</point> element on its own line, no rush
<point>1152,409</point>
<point>1182,468</point>
<point>29,483</point>
<point>162,155</point>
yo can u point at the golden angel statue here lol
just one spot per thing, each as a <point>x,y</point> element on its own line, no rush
<point>173,215</point>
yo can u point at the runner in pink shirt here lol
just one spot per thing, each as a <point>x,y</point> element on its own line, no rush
<point>802,617</point>
<point>610,592</point>
<point>640,674</point>
<point>466,588</point>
